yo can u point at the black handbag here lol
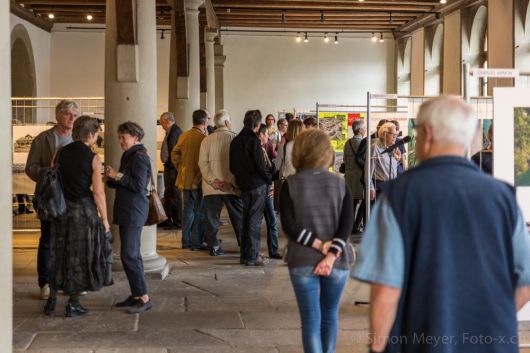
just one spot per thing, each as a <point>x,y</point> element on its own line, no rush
<point>342,168</point>
<point>108,255</point>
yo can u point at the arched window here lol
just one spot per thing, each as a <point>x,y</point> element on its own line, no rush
<point>433,60</point>
<point>23,78</point>
<point>403,66</point>
<point>473,48</point>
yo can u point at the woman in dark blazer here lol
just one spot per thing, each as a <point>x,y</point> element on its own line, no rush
<point>131,206</point>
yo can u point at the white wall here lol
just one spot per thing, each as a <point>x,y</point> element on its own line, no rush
<point>277,73</point>
<point>41,44</point>
<point>77,64</point>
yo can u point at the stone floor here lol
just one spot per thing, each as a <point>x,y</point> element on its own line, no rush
<point>206,304</point>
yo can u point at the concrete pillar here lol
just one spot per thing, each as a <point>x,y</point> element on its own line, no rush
<point>130,94</point>
<point>185,92</point>
<point>501,42</point>
<point>417,66</point>
<point>452,55</point>
<point>209,39</point>
<point>6,158</point>
<point>219,61</point>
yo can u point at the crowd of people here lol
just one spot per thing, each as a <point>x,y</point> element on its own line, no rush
<point>433,229</point>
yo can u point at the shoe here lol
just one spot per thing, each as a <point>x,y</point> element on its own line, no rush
<point>216,252</point>
<point>49,308</point>
<point>45,292</point>
<point>200,248</point>
<point>276,256</point>
<point>242,261</point>
<point>83,293</point>
<point>73,308</point>
<point>140,307</point>
<point>259,261</point>
<point>130,301</point>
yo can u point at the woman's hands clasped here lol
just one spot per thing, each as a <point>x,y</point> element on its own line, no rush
<point>325,266</point>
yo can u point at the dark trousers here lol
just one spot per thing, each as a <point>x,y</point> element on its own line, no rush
<point>212,209</point>
<point>43,255</point>
<point>253,206</point>
<point>272,226</point>
<point>131,259</point>
<point>172,197</point>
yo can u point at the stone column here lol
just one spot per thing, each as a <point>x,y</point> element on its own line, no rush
<point>219,60</point>
<point>185,91</point>
<point>417,65</point>
<point>6,158</point>
<point>130,94</point>
<point>209,39</point>
<point>452,55</point>
<point>501,41</point>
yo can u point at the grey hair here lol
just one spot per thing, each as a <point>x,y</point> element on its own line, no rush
<point>453,121</point>
<point>221,117</point>
<point>84,126</point>
<point>168,116</point>
<point>357,126</point>
<point>65,105</point>
<point>384,128</point>
<point>132,129</point>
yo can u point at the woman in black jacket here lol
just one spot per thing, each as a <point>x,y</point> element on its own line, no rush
<point>131,206</point>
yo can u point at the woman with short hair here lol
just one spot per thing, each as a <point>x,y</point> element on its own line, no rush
<point>77,263</point>
<point>315,211</point>
<point>131,207</point>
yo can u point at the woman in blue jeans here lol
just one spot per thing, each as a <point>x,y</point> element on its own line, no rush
<point>315,211</point>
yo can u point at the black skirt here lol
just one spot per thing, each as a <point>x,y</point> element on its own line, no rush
<point>79,254</point>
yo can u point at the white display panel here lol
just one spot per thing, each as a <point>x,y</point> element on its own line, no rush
<point>505,101</point>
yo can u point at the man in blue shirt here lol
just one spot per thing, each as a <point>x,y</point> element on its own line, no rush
<point>446,251</point>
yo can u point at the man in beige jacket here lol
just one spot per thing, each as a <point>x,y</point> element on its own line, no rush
<point>218,184</point>
<point>185,157</point>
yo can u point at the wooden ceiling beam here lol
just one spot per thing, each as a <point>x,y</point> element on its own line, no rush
<point>27,15</point>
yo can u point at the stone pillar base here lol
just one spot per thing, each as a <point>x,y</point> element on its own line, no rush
<point>156,266</point>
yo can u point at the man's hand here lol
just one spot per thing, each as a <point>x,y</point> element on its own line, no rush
<point>372,194</point>
<point>226,187</point>
<point>397,154</point>
<point>217,184</point>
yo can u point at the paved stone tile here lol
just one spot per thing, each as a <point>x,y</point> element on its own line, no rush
<point>339,349</point>
<point>171,304</point>
<point>196,320</point>
<point>153,339</point>
<point>132,350</point>
<point>58,350</point>
<point>258,338</point>
<point>223,349</point>
<point>229,304</point>
<point>22,340</point>
<point>271,320</point>
<point>102,322</point>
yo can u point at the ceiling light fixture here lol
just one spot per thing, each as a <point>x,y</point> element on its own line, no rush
<point>89,17</point>
<point>374,38</point>
<point>305,38</point>
<point>51,16</point>
<point>283,17</point>
<point>443,1</point>
<point>228,10</point>
<point>326,38</point>
<point>321,16</point>
<point>336,38</point>
<point>381,39</point>
<point>162,35</point>
<point>298,38</point>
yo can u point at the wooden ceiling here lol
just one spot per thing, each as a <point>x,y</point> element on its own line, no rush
<point>338,15</point>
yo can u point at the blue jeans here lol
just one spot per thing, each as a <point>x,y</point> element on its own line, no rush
<point>318,300</point>
<point>272,226</point>
<point>192,219</point>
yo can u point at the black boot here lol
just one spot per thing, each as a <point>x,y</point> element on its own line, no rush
<point>49,308</point>
<point>73,308</point>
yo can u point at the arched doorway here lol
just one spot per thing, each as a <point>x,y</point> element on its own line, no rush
<point>23,78</point>
<point>433,60</point>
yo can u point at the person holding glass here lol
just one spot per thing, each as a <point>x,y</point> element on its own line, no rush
<point>131,207</point>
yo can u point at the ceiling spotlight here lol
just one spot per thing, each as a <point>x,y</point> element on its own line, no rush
<point>162,35</point>
<point>326,38</point>
<point>228,10</point>
<point>283,17</point>
<point>51,16</point>
<point>89,17</point>
<point>321,16</point>
<point>305,38</point>
<point>381,39</point>
<point>336,38</point>
<point>443,1</point>
<point>298,38</point>
<point>361,0</point>
<point>374,38</point>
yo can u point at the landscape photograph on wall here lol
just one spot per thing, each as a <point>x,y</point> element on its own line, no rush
<point>521,148</point>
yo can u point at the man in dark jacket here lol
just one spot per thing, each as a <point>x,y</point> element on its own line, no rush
<point>172,199</point>
<point>247,164</point>
<point>41,153</point>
